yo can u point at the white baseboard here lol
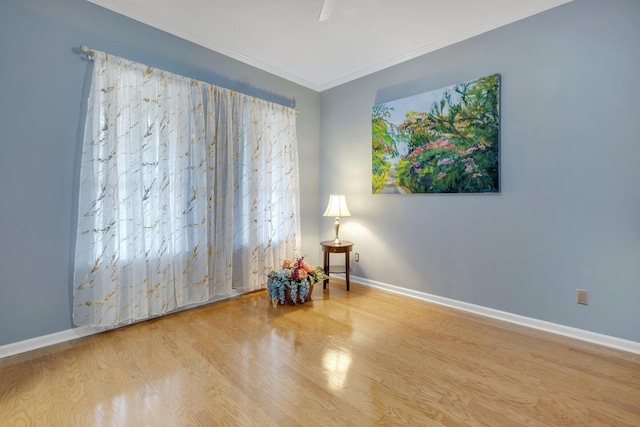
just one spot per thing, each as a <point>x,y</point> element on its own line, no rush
<point>567,331</point>
<point>83,331</point>
<point>46,340</point>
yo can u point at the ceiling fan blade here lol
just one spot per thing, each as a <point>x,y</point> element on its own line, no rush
<point>327,8</point>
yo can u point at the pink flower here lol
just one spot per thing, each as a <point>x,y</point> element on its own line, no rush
<point>306,267</point>
<point>415,152</point>
<point>286,264</point>
<point>302,274</point>
<point>440,143</point>
<point>441,175</point>
<point>445,161</point>
<point>471,165</point>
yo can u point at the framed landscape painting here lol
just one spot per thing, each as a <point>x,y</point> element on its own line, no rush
<point>441,141</point>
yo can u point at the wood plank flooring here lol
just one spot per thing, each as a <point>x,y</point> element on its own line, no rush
<point>362,358</point>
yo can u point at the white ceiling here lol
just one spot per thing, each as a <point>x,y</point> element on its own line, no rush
<point>284,37</point>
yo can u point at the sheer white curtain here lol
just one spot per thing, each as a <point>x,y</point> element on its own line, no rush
<point>187,192</point>
<point>256,183</point>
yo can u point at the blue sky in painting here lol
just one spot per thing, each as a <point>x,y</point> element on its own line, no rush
<point>421,102</point>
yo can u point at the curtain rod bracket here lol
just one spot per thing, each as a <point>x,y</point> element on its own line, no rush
<point>86,51</point>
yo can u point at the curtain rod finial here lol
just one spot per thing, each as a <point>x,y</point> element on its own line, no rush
<point>85,50</point>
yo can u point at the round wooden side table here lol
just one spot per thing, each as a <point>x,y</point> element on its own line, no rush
<point>329,247</point>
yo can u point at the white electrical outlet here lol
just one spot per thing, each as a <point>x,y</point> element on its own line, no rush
<point>356,257</point>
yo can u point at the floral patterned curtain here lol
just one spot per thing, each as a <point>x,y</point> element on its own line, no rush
<point>188,192</point>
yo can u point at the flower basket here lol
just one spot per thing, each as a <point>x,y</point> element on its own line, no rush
<point>293,284</point>
<point>300,297</point>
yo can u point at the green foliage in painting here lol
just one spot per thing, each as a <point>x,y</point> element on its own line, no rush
<point>383,145</point>
<point>451,148</point>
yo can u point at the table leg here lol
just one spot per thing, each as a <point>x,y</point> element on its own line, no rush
<point>347,268</point>
<point>325,267</point>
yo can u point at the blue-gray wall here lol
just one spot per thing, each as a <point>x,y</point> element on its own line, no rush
<point>41,92</point>
<point>568,215</point>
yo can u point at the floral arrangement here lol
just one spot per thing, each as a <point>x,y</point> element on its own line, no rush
<point>294,282</point>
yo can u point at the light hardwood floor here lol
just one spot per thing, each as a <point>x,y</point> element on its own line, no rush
<point>362,358</point>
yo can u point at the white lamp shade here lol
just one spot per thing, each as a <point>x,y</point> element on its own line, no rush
<point>337,206</point>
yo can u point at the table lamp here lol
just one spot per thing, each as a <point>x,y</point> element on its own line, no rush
<point>337,207</point>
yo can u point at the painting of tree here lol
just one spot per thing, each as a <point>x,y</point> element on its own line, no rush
<point>441,141</point>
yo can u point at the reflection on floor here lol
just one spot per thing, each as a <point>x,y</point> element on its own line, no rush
<point>364,357</point>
